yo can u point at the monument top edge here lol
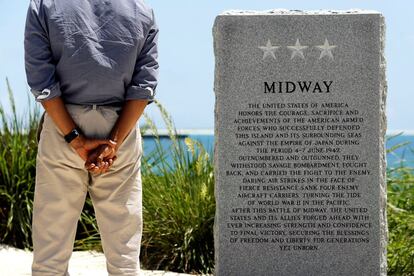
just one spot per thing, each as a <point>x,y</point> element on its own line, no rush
<point>297,12</point>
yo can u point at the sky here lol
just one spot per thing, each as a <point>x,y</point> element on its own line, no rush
<point>186,56</point>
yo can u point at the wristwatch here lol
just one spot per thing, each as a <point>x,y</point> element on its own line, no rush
<point>72,135</point>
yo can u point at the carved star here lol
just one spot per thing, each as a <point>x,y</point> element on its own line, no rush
<point>326,49</point>
<point>297,50</point>
<point>269,50</point>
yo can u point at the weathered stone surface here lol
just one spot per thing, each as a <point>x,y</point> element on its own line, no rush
<point>299,153</point>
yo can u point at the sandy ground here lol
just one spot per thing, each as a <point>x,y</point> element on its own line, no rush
<point>17,262</point>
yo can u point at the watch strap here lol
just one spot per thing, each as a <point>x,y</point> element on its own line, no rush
<point>72,135</point>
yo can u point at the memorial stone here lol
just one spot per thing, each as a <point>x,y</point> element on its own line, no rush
<point>299,143</point>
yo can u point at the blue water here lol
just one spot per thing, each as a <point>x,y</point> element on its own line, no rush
<point>401,155</point>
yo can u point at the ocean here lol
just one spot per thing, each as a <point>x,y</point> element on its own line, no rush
<point>403,155</point>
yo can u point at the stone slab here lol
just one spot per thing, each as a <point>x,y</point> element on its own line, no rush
<point>299,143</point>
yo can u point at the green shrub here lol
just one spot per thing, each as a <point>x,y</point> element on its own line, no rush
<point>17,174</point>
<point>179,205</point>
<point>400,182</point>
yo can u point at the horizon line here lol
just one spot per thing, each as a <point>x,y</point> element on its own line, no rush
<point>210,131</point>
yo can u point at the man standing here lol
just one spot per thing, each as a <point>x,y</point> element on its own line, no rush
<point>93,66</point>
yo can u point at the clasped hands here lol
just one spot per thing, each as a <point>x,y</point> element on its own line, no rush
<point>98,154</point>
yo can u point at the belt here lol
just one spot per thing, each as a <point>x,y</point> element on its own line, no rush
<point>116,104</point>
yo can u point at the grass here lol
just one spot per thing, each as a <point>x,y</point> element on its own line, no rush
<point>178,199</point>
<point>17,174</point>
<point>178,204</point>
<point>400,182</point>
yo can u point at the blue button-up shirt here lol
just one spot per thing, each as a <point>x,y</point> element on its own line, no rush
<point>91,52</point>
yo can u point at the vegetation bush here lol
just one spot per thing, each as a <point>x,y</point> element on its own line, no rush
<point>17,174</point>
<point>179,205</point>
<point>400,213</point>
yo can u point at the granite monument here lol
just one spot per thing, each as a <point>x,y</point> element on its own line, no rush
<point>299,153</point>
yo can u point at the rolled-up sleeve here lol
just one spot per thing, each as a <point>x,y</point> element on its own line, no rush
<point>39,65</point>
<point>145,77</point>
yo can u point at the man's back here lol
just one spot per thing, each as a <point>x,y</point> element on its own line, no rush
<point>93,66</point>
<point>100,51</point>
